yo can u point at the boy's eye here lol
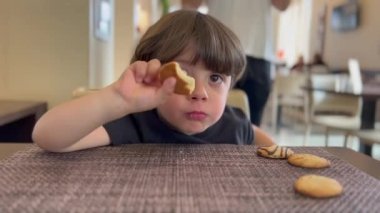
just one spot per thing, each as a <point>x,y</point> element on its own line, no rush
<point>215,78</point>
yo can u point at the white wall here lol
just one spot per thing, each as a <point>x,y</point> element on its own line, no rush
<point>44,45</point>
<point>43,49</point>
<point>125,34</point>
<point>299,37</point>
<point>101,47</point>
<point>109,58</point>
<point>294,31</point>
<point>363,43</point>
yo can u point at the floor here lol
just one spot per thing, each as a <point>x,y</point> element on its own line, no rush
<point>291,133</point>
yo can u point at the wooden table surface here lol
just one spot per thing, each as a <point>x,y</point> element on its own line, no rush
<point>17,119</point>
<point>361,161</point>
<point>179,178</point>
<point>7,149</point>
<point>11,110</point>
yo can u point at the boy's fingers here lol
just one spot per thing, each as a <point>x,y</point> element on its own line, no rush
<point>140,69</point>
<point>166,89</point>
<point>153,66</point>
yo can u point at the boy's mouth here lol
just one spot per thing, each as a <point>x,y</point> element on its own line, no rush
<point>196,115</point>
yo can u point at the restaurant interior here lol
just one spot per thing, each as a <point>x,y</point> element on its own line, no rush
<point>50,50</point>
<point>322,111</point>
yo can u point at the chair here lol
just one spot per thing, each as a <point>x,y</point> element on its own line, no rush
<point>355,76</point>
<point>236,98</point>
<point>333,111</point>
<point>287,92</point>
<point>368,136</point>
<point>318,69</point>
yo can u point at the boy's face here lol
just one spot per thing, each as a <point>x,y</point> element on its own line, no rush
<point>195,113</point>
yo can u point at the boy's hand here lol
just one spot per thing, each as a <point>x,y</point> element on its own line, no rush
<point>140,86</point>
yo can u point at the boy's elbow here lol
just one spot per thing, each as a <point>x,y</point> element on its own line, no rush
<point>47,147</point>
<point>37,138</point>
<point>40,141</point>
<point>43,141</point>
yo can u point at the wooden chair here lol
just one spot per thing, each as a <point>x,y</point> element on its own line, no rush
<point>333,111</point>
<point>287,93</point>
<point>368,136</point>
<point>238,98</point>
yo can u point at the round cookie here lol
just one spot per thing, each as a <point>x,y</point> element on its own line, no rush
<point>274,151</point>
<point>317,186</point>
<point>185,84</point>
<point>308,161</point>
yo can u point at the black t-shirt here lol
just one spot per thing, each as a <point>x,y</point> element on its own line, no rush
<point>146,127</point>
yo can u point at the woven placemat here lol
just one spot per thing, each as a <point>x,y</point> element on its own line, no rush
<point>173,178</point>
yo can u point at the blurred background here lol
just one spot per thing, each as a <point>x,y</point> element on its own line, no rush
<point>51,48</point>
<point>48,48</point>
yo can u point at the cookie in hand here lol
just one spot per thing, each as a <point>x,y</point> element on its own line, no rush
<point>185,84</point>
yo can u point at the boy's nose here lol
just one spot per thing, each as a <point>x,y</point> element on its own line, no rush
<point>199,92</point>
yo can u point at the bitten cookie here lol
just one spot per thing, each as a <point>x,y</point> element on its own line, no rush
<point>185,84</point>
<point>318,186</point>
<point>308,161</point>
<point>274,151</point>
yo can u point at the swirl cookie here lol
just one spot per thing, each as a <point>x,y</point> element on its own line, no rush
<point>185,84</point>
<point>274,151</point>
<point>317,186</point>
<point>308,161</point>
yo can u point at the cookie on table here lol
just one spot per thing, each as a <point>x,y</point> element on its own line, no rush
<point>308,161</point>
<point>317,186</point>
<point>274,151</point>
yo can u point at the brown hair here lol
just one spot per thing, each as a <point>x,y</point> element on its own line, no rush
<point>216,45</point>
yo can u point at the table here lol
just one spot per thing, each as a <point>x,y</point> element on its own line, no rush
<point>17,119</point>
<point>179,178</point>
<point>370,95</point>
<point>9,148</point>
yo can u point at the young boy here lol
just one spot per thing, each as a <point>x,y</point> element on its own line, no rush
<point>137,108</point>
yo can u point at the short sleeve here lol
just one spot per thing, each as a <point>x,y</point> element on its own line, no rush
<point>123,131</point>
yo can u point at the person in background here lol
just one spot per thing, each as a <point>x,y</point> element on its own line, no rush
<point>138,108</point>
<point>299,65</point>
<point>252,22</point>
<point>317,60</point>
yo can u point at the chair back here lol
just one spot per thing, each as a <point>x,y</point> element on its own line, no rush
<point>289,85</point>
<point>368,136</point>
<point>319,69</point>
<point>327,103</point>
<point>355,76</point>
<point>238,98</point>
<point>287,92</point>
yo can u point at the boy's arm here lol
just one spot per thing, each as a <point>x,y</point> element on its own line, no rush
<point>261,137</point>
<point>77,124</point>
<point>77,121</point>
<point>98,137</point>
